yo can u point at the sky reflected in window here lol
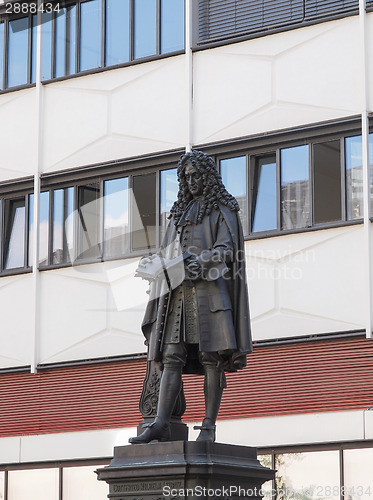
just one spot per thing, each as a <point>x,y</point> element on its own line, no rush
<point>263,182</point>
<point>18,52</point>
<point>116,229</point>
<point>90,36</point>
<point>46,60</point>
<point>233,173</point>
<point>33,48</point>
<point>145,28</point>
<point>117,32</point>
<point>172,25</point>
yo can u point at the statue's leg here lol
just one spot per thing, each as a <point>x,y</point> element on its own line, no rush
<point>213,387</point>
<point>169,390</point>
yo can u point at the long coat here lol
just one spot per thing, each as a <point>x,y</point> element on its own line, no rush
<point>221,292</point>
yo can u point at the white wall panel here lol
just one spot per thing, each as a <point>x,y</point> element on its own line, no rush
<point>284,80</point>
<point>116,114</point>
<point>18,132</point>
<point>306,283</point>
<point>91,311</point>
<point>17,315</point>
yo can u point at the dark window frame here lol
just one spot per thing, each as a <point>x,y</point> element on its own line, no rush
<point>6,19</point>
<point>12,192</point>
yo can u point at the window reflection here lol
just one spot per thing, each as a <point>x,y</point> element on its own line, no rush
<point>43,229</point>
<point>144,212</point>
<point>263,190</point>
<point>46,60</point>
<point>327,182</point>
<point>295,188</point>
<point>34,47</point>
<point>2,56</point>
<point>354,177</point>
<point>79,479</point>
<point>358,473</point>
<point>18,52</point>
<point>35,484</point>
<point>169,190</point>
<point>145,28</point>
<point>60,69</point>
<point>116,230</point>
<point>310,475</point>
<point>233,173</point>
<point>63,206</point>
<point>14,233</point>
<point>89,221</point>
<point>90,34</point>
<point>70,39</point>
<point>117,31</point>
<point>172,25</point>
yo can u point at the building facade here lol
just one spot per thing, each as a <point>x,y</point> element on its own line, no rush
<point>98,100</point>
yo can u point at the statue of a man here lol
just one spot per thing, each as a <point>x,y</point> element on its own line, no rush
<point>200,323</point>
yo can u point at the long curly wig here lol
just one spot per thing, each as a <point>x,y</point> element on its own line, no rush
<point>214,192</point>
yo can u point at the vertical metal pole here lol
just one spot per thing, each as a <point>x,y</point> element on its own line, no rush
<point>35,259</point>
<point>189,73</point>
<point>365,161</point>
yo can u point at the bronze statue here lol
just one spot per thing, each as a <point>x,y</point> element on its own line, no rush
<point>197,321</point>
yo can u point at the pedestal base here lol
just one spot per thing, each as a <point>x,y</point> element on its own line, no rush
<point>185,470</point>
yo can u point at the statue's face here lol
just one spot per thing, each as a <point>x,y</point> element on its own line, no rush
<point>194,180</point>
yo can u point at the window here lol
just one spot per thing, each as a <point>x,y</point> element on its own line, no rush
<point>65,41</point>
<point>43,229</point>
<point>309,474</point>
<point>105,218</point>
<point>172,25</point>
<point>63,208</point>
<point>116,217</point>
<point>233,172</point>
<point>14,233</point>
<point>46,62</point>
<point>295,188</point>
<point>357,473</point>
<point>79,479</point>
<point>144,212</point>
<point>327,182</point>
<point>88,221</point>
<point>91,34</point>
<point>354,177</point>
<point>117,32</point>
<point>17,51</point>
<point>263,193</point>
<point>37,484</point>
<point>169,190</point>
<point>145,28</point>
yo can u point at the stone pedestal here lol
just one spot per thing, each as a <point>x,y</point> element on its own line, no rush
<point>184,470</point>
